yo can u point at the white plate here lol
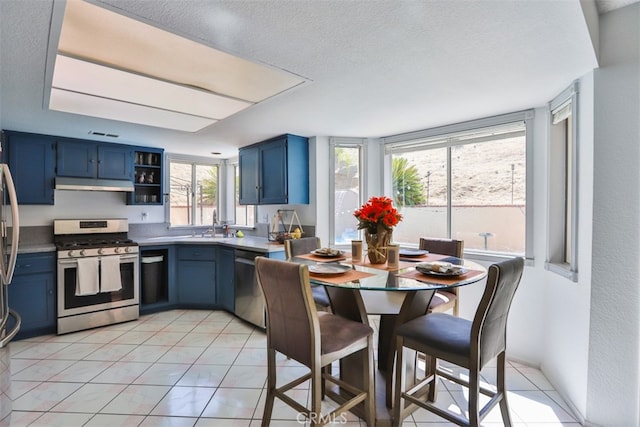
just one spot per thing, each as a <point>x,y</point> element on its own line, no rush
<point>440,268</point>
<point>334,254</point>
<point>412,252</point>
<point>328,268</point>
<point>451,273</point>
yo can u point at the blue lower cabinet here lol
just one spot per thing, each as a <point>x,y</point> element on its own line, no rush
<point>225,279</point>
<point>32,294</point>
<point>196,276</point>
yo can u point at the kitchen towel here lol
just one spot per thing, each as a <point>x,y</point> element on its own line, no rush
<point>110,280</point>
<point>87,279</point>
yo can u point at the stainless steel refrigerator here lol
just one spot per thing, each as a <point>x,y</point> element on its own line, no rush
<point>10,234</point>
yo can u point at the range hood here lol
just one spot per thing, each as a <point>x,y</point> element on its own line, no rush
<point>89,184</point>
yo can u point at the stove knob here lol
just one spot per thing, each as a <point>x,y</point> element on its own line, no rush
<point>126,249</point>
<point>70,254</point>
<point>82,252</point>
<point>100,251</point>
<point>116,250</point>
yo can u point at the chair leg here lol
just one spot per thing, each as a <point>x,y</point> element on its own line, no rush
<point>271,386</point>
<point>369,385</point>
<point>316,394</point>
<point>431,368</point>
<point>474,397</point>
<point>400,380</point>
<point>502,389</point>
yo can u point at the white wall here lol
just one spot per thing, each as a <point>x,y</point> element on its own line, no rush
<point>613,378</point>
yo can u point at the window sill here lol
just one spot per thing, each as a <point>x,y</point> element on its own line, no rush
<point>563,270</point>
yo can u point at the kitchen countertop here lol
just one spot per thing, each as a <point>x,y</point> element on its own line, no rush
<point>36,247</point>
<point>258,244</point>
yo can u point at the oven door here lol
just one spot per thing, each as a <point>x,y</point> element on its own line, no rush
<point>69,304</point>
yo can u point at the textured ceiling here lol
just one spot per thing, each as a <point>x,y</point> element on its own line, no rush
<point>373,68</point>
<point>605,6</point>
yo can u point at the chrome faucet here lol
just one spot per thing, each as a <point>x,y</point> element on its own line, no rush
<point>212,230</point>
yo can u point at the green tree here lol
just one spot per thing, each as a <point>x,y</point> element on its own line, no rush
<point>210,186</point>
<point>407,186</point>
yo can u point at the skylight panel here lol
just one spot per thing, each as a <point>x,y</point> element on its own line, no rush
<point>115,60</point>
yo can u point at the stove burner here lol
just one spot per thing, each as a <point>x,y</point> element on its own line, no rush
<point>86,242</point>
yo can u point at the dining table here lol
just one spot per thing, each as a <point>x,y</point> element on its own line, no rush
<point>396,294</point>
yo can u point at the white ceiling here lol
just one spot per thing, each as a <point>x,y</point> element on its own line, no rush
<point>374,68</point>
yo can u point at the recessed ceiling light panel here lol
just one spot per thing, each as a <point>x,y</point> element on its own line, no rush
<point>116,61</point>
<point>87,105</point>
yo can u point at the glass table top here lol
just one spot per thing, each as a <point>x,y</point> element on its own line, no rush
<point>404,279</point>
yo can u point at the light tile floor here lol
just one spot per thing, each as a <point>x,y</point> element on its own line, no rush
<point>199,368</point>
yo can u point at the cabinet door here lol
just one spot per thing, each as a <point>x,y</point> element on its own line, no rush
<point>248,162</point>
<point>77,159</point>
<point>32,294</point>
<point>273,172</point>
<point>115,162</point>
<point>225,282</point>
<point>32,165</point>
<point>196,283</point>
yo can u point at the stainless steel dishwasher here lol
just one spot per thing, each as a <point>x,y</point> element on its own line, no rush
<point>250,304</point>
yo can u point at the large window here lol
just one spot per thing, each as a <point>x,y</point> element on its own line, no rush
<point>467,182</point>
<point>562,236</point>
<point>347,165</point>
<point>193,193</point>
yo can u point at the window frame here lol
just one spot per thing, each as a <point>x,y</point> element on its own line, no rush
<point>442,137</point>
<point>562,212</point>
<point>339,142</point>
<point>191,160</point>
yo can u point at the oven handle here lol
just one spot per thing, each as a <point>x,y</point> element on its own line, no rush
<point>74,261</point>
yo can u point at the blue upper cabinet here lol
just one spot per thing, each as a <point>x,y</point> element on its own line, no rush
<point>87,159</point>
<point>115,161</point>
<point>32,163</point>
<point>249,181</point>
<point>275,171</point>
<point>147,177</point>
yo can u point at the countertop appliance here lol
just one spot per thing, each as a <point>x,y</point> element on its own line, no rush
<point>97,273</point>
<point>249,303</point>
<point>8,257</point>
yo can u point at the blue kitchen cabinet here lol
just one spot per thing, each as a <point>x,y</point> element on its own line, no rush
<point>148,177</point>
<point>275,171</point>
<point>248,159</point>
<point>87,159</point>
<point>196,276</point>
<point>32,163</point>
<point>115,161</point>
<point>225,279</point>
<point>32,293</point>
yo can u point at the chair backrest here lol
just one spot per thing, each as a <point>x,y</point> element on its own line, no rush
<point>449,247</point>
<point>489,328</point>
<point>294,247</point>
<point>292,319</point>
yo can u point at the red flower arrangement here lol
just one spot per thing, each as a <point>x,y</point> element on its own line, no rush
<point>377,211</point>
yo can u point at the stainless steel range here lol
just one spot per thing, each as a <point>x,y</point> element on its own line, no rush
<point>97,273</point>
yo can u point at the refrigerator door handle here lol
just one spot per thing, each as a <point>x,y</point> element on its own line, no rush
<point>7,274</point>
<point>9,336</point>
